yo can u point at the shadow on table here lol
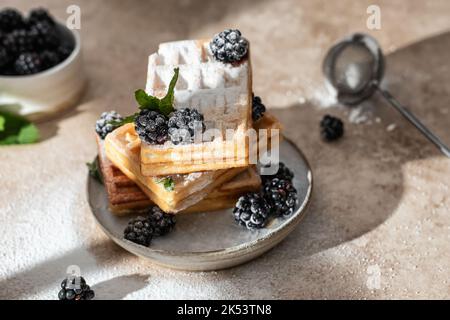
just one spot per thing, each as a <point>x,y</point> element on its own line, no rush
<point>358,180</point>
<point>51,272</point>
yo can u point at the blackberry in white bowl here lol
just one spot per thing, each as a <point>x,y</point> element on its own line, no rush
<point>40,63</point>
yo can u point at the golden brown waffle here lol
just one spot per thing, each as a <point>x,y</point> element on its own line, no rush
<point>222,92</point>
<point>123,148</point>
<point>125,196</point>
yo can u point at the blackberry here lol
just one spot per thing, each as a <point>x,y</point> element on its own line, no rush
<point>332,128</point>
<point>40,15</point>
<point>161,222</point>
<point>75,290</point>
<point>103,126</point>
<point>281,196</point>
<point>258,108</point>
<point>10,19</point>
<point>28,63</point>
<point>45,35</point>
<point>139,230</point>
<point>19,41</point>
<point>4,57</point>
<point>184,124</point>
<point>283,173</point>
<point>64,51</point>
<point>229,46</point>
<point>151,127</point>
<point>252,211</point>
<point>49,59</point>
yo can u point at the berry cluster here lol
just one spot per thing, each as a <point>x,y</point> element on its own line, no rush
<point>331,128</point>
<point>30,44</point>
<point>180,127</point>
<point>141,230</point>
<point>77,289</point>
<point>278,197</point>
<point>229,46</point>
<point>104,125</point>
<point>258,108</point>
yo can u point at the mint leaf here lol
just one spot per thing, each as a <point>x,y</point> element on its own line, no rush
<point>119,123</point>
<point>166,103</point>
<point>16,129</point>
<point>94,170</point>
<point>168,183</point>
<point>28,134</point>
<point>2,123</point>
<point>146,101</point>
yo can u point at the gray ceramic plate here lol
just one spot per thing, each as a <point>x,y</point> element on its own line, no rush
<point>210,240</point>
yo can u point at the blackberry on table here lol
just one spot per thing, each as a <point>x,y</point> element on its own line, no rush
<point>40,15</point>
<point>258,108</point>
<point>152,127</point>
<point>161,222</point>
<point>103,126</point>
<point>252,211</point>
<point>139,230</point>
<point>281,196</point>
<point>28,63</point>
<point>77,289</point>
<point>10,19</point>
<point>229,46</point>
<point>331,128</point>
<point>184,124</point>
<point>283,173</point>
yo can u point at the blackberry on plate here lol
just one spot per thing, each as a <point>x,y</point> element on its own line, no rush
<point>184,124</point>
<point>252,211</point>
<point>19,41</point>
<point>103,126</point>
<point>151,126</point>
<point>258,108</point>
<point>76,289</point>
<point>139,230</point>
<point>40,15</point>
<point>281,196</point>
<point>283,173</point>
<point>10,19</point>
<point>161,222</point>
<point>28,63</point>
<point>229,46</point>
<point>45,35</point>
<point>332,128</point>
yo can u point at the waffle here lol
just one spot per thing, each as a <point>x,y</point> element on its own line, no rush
<point>122,148</point>
<point>125,196</point>
<point>221,92</point>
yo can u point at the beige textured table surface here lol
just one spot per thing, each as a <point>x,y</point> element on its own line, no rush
<point>381,200</point>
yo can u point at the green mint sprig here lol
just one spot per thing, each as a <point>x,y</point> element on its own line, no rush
<point>15,129</point>
<point>148,102</point>
<point>168,183</point>
<point>94,170</point>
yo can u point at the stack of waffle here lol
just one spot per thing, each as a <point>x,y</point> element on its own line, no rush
<point>204,176</point>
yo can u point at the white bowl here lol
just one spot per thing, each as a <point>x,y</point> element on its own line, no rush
<point>43,94</point>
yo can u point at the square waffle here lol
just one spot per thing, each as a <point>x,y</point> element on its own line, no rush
<point>125,196</point>
<point>221,92</point>
<point>122,148</point>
